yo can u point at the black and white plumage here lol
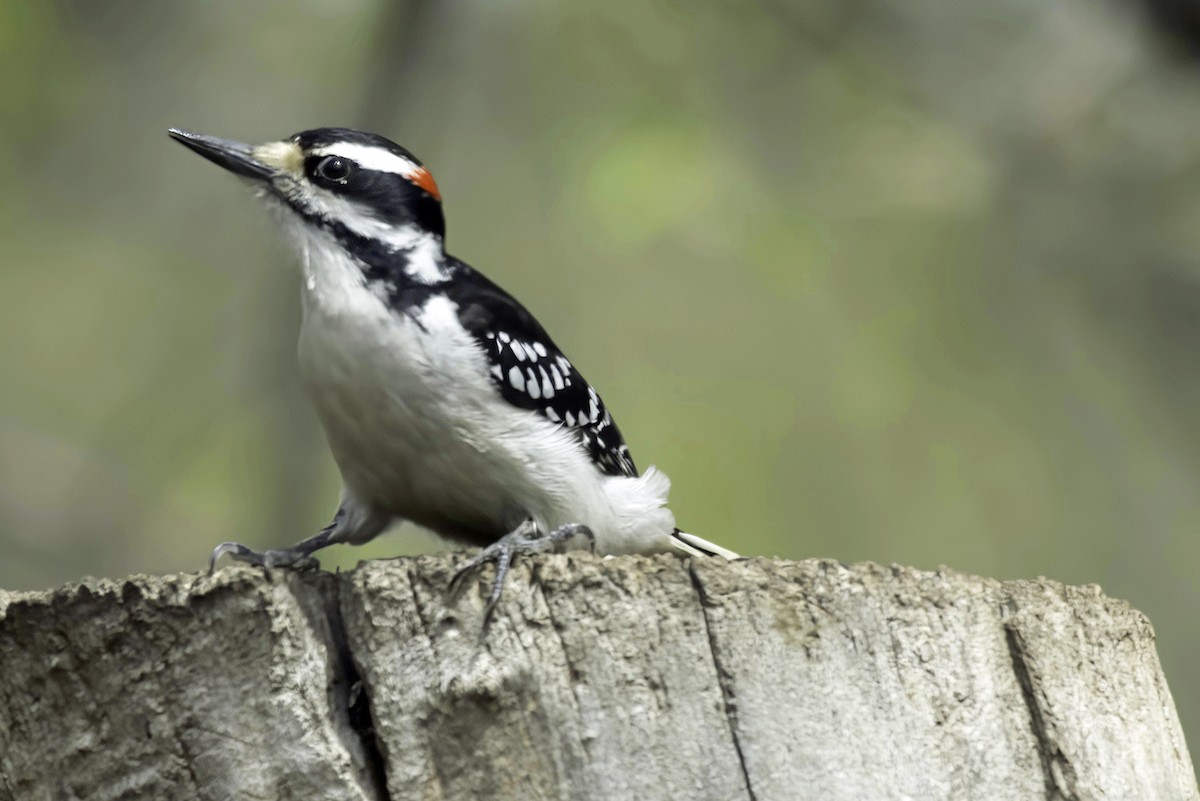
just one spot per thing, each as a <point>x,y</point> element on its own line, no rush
<point>533,373</point>
<point>445,402</point>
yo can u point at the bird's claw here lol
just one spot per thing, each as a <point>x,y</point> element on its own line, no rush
<point>264,559</point>
<point>524,540</point>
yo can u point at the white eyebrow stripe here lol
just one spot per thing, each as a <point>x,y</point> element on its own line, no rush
<point>371,158</point>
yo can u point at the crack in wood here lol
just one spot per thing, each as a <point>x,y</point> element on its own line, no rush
<point>1058,770</point>
<point>351,698</point>
<point>724,678</point>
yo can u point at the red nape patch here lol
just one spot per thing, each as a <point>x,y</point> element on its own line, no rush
<point>422,178</point>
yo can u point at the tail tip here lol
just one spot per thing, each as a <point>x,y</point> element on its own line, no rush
<point>698,546</point>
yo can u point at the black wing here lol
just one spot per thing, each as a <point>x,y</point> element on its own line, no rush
<point>532,373</point>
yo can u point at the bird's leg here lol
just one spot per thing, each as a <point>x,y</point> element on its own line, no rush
<point>524,540</point>
<point>298,556</point>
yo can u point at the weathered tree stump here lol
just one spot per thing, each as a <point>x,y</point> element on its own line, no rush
<point>625,678</point>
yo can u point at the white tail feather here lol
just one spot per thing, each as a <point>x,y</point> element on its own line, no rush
<point>698,546</point>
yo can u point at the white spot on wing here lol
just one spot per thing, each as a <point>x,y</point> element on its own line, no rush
<point>547,390</point>
<point>532,387</point>
<point>540,348</point>
<point>516,379</point>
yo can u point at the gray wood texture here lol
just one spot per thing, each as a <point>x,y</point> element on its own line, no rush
<point>622,678</point>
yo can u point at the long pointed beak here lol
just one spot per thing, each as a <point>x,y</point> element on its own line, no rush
<point>236,157</point>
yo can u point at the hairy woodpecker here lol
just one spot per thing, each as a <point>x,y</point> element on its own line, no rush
<point>444,401</point>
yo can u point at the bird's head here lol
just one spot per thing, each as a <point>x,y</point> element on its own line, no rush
<point>348,182</point>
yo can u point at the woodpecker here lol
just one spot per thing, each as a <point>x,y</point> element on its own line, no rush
<point>444,401</point>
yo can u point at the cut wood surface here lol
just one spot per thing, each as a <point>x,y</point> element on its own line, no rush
<point>622,678</point>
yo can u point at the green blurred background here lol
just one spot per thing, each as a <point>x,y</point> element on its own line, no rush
<point>878,280</point>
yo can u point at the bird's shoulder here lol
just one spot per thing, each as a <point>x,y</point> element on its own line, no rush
<point>531,372</point>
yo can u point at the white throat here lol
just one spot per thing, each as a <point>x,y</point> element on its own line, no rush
<point>334,282</point>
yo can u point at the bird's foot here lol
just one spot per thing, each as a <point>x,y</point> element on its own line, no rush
<point>296,558</point>
<point>299,556</point>
<point>524,540</point>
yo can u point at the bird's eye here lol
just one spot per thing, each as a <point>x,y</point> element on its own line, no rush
<point>332,168</point>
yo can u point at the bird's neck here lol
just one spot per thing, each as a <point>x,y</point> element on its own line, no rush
<point>410,255</point>
<point>345,271</point>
